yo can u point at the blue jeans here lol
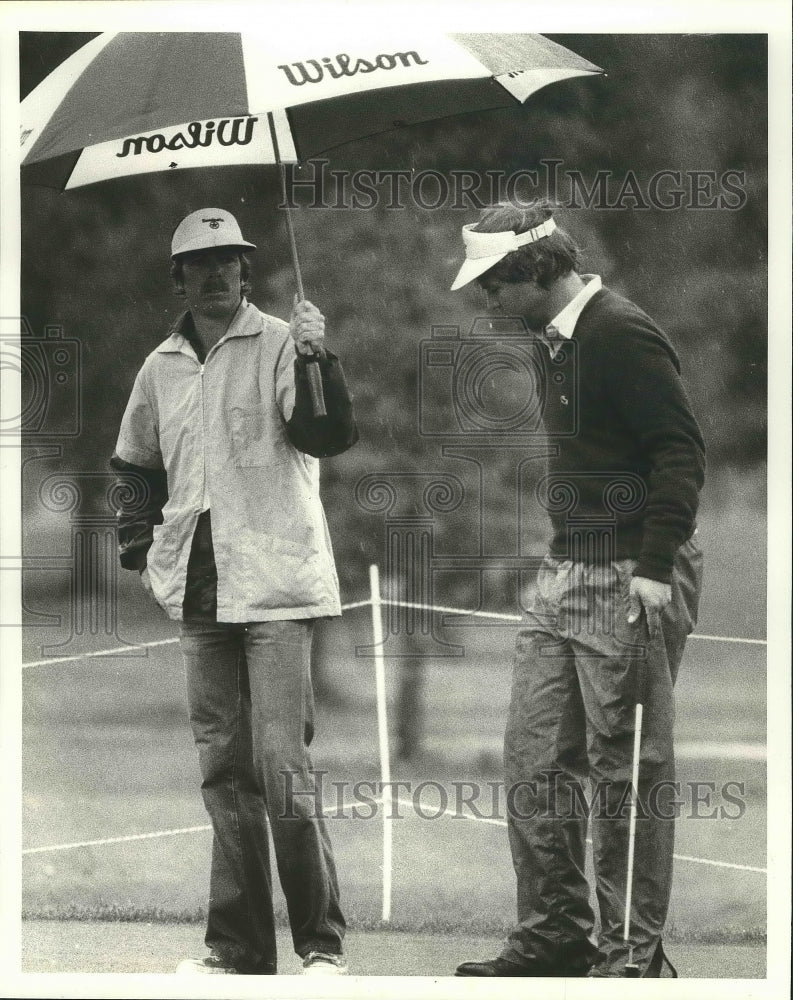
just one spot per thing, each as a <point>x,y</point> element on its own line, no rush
<point>579,667</point>
<point>251,711</point>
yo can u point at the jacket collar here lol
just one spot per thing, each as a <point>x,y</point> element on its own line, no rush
<point>247,322</point>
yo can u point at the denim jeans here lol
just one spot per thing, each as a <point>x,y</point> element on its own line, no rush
<point>251,711</point>
<point>579,667</point>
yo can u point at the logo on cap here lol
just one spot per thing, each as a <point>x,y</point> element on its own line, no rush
<point>200,231</point>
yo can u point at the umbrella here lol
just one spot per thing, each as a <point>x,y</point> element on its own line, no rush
<point>134,102</point>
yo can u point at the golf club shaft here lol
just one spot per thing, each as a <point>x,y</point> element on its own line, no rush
<point>637,740</point>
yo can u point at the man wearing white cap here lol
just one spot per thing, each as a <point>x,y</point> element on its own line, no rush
<point>616,597</point>
<point>218,448</point>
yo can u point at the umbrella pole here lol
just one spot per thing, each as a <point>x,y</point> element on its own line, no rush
<point>312,361</point>
<point>290,226</point>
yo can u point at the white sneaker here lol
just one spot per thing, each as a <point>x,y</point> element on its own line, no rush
<point>322,963</point>
<point>209,966</point>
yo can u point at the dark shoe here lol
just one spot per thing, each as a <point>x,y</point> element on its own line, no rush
<point>209,966</point>
<point>494,967</point>
<point>571,962</point>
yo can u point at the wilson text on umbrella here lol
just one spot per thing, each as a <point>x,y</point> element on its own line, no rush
<point>342,65</point>
<point>227,132</point>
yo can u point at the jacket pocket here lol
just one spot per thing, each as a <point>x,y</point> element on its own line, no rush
<point>279,573</point>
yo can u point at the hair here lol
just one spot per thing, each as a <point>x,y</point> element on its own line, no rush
<point>550,258</point>
<point>177,275</point>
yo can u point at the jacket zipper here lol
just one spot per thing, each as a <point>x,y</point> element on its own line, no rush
<point>204,492</point>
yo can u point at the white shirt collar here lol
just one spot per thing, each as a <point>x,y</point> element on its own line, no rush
<point>565,321</point>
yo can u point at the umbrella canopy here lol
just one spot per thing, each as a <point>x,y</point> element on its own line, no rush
<point>130,102</point>
<point>136,102</point>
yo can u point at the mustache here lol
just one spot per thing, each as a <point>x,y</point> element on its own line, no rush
<point>215,286</point>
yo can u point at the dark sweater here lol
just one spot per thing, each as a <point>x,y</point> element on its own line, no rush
<point>630,459</point>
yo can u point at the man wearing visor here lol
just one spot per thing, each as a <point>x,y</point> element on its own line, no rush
<point>616,597</point>
<point>218,450</point>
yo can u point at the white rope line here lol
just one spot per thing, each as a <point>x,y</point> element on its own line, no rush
<point>677,857</point>
<point>135,836</point>
<point>115,840</point>
<point>357,604</point>
<point>519,618</point>
<point>139,645</point>
<point>721,864</point>
<point>729,638</point>
<point>153,835</point>
<point>99,652</point>
<point>455,611</point>
<point>399,800</point>
<point>501,616</point>
<point>459,815</point>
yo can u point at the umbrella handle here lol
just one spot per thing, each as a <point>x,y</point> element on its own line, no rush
<point>314,376</point>
<point>313,373</point>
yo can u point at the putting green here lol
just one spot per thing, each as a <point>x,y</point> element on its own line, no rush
<point>90,947</point>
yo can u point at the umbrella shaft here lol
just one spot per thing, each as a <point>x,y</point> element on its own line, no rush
<point>291,230</point>
<point>289,226</point>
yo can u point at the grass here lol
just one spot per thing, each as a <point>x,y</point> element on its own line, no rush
<point>463,880</point>
<point>151,948</point>
<point>76,912</point>
<point>86,779</point>
<point>107,752</point>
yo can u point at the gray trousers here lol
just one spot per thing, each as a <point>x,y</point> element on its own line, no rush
<point>251,711</point>
<point>579,668</point>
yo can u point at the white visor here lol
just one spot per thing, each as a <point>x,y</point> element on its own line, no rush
<point>483,250</point>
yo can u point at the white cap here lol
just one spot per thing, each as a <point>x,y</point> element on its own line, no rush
<point>483,250</point>
<point>207,228</point>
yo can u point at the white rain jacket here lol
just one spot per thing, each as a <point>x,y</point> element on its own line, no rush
<point>219,431</point>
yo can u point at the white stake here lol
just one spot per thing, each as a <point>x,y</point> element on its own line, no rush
<point>382,732</point>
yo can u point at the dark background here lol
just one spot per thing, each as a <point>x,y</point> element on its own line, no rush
<point>95,261</point>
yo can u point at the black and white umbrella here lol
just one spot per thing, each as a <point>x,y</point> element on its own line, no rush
<point>137,102</point>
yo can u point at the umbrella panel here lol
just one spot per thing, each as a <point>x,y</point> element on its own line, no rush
<point>315,129</point>
<point>506,53</point>
<point>138,85</point>
<point>324,125</point>
<point>136,82</point>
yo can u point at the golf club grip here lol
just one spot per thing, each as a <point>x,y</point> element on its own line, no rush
<point>314,377</point>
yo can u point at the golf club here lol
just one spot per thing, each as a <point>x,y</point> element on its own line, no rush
<point>631,969</point>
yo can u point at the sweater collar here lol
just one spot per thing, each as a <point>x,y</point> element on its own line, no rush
<point>564,323</point>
